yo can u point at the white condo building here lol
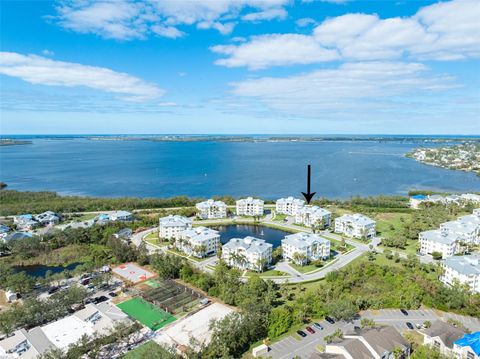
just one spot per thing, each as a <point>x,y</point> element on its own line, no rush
<point>464,269</point>
<point>211,209</point>
<point>310,246</point>
<point>467,228</point>
<point>247,253</point>
<point>312,216</point>
<point>289,206</point>
<point>355,225</point>
<point>171,226</point>
<point>198,242</point>
<point>438,241</point>
<point>250,207</point>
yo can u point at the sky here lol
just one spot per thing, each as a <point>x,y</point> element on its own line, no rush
<point>240,67</point>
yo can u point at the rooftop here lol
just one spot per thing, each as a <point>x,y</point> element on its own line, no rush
<point>468,265</point>
<point>357,218</point>
<point>302,240</point>
<point>445,331</point>
<point>470,340</point>
<point>174,221</point>
<point>436,235</point>
<point>248,244</point>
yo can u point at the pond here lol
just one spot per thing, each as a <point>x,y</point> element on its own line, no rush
<point>39,270</point>
<point>270,235</point>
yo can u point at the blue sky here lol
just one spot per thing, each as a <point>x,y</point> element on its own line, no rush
<point>240,66</point>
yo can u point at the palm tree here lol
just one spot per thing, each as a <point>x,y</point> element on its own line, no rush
<point>299,258</point>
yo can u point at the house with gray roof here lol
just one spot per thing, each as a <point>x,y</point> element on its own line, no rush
<point>463,270</point>
<point>123,216</point>
<point>48,218</point>
<point>441,336</point>
<point>439,241</point>
<point>304,247</point>
<point>25,344</point>
<point>171,226</point>
<point>376,343</point>
<point>355,225</point>
<point>313,216</point>
<point>247,253</point>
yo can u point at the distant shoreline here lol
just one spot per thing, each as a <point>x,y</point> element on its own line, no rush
<point>27,139</point>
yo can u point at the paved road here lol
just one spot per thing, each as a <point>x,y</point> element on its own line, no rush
<point>292,346</point>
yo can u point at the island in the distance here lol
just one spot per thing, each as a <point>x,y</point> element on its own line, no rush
<point>462,157</point>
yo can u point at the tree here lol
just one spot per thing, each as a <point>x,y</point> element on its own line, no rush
<point>342,309</point>
<point>437,255</point>
<point>280,321</point>
<point>299,258</point>
<point>367,323</point>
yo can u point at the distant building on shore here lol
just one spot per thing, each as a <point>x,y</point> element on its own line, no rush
<point>438,241</point>
<point>211,209</point>
<point>247,253</point>
<point>289,206</point>
<point>249,207</point>
<point>355,225</point>
<point>171,226</point>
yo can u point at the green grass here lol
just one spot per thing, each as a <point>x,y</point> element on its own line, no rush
<point>146,313</point>
<point>144,351</point>
<point>280,217</point>
<point>305,268</point>
<point>84,217</point>
<point>268,273</point>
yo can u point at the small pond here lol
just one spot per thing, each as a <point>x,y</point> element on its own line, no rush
<point>41,270</point>
<point>270,235</point>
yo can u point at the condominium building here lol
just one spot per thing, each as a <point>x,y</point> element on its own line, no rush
<point>355,225</point>
<point>441,336</point>
<point>198,242</point>
<point>470,197</point>
<point>247,253</point>
<point>463,270</point>
<point>250,207</point>
<point>171,226</point>
<point>304,247</point>
<point>211,209</point>
<point>467,228</point>
<point>289,206</point>
<point>438,241</point>
<point>313,216</point>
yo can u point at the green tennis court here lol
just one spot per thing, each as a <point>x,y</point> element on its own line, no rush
<point>146,313</point>
<point>152,283</point>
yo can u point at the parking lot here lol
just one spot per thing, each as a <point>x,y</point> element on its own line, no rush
<point>292,346</point>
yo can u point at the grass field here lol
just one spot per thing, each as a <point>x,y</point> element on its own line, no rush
<point>145,351</point>
<point>146,313</point>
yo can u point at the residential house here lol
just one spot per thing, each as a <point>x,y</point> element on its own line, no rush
<point>438,241</point>
<point>25,222</point>
<point>198,242</point>
<point>124,234</point>
<point>355,225</point>
<point>302,247</point>
<point>48,218</point>
<point>441,336</point>
<point>102,218</point>
<point>25,344</point>
<point>468,347</point>
<point>470,197</point>
<point>289,206</point>
<point>247,253</point>
<point>171,226</point>
<point>250,207</point>
<point>313,216</point>
<point>211,209</point>
<point>4,231</point>
<point>122,216</point>
<point>17,235</point>
<point>463,270</point>
<point>375,343</point>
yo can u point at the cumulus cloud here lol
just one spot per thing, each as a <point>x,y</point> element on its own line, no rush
<point>350,86</point>
<point>43,71</point>
<point>442,31</point>
<point>130,19</point>
<point>274,50</point>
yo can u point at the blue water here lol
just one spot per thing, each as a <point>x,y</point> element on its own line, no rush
<point>266,169</point>
<point>41,270</point>
<point>270,235</point>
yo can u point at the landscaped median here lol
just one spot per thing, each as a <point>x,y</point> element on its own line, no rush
<point>311,268</point>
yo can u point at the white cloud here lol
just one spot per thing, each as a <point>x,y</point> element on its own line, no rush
<point>443,31</point>
<point>274,50</point>
<point>269,14</point>
<point>130,19</point>
<point>167,104</point>
<point>44,71</point>
<point>352,86</point>
<point>47,52</point>
<point>305,21</point>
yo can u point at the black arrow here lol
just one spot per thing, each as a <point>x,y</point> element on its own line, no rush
<point>308,196</point>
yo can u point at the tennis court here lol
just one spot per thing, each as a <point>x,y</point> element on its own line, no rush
<point>146,313</point>
<point>133,272</point>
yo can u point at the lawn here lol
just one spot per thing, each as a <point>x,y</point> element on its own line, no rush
<point>392,224</point>
<point>268,273</point>
<point>146,313</point>
<point>144,351</point>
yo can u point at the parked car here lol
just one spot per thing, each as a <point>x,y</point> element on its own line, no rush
<point>100,299</point>
<point>356,327</point>
<point>301,333</point>
<point>404,312</point>
<point>330,320</point>
<point>53,290</point>
<point>88,300</point>
<point>310,330</point>
<point>112,294</point>
<point>318,326</point>
<point>85,281</point>
<point>410,325</point>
